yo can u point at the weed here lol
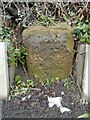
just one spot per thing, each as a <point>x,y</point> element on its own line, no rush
<point>15,55</point>
<point>48,82</point>
<point>67,82</point>
<point>37,77</point>
<point>30,83</point>
<point>21,87</point>
<point>44,20</point>
<point>5,33</point>
<point>82,32</point>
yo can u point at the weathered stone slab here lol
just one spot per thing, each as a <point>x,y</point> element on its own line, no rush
<point>4,81</point>
<point>50,51</point>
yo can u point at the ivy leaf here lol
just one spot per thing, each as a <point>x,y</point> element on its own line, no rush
<point>86,115</point>
<point>82,39</point>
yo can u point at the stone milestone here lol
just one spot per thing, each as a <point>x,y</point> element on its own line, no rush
<point>50,51</point>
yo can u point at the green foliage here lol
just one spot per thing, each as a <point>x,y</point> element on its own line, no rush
<point>50,21</point>
<point>11,58</point>
<point>48,82</point>
<point>82,32</point>
<point>64,17</point>
<point>45,20</point>
<point>85,115</point>
<point>30,83</point>
<point>21,87</point>
<point>67,82</point>
<point>5,33</point>
<point>68,15</point>
<point>37,77</point>
<point>15,55</point>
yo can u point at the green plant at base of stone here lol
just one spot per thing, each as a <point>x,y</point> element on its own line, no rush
<point>67,82</point>
<point>30,83</point>
<point>21,87</point>
<point>82,32</point>
<point>48,82</point>
<point>37,77</point>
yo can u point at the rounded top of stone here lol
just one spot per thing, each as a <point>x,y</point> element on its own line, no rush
<point>34,29</point>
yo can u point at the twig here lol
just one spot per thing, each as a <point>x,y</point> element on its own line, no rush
<point>6,5</point>
<point>37,89</point>
<point>17,7</point>
<point>25,71</point>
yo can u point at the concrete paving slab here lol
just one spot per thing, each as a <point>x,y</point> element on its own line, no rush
<point>4,80</point>
<point>86,77</point>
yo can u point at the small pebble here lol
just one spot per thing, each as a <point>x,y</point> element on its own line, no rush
<point>27,97</point>
<point>72,103</point>
<point>24,98</point>
<point>62,93</point>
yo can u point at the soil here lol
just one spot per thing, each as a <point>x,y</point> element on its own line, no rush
<point>37,105</point>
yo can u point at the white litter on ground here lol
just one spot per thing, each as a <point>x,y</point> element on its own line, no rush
<point>64,109</point>
<point>26,97</point>
<point>29,96</point>
<point>57,101</point>
<point>62,93</point>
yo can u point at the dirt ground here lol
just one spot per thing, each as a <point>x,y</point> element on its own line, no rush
<point>36,106</point>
